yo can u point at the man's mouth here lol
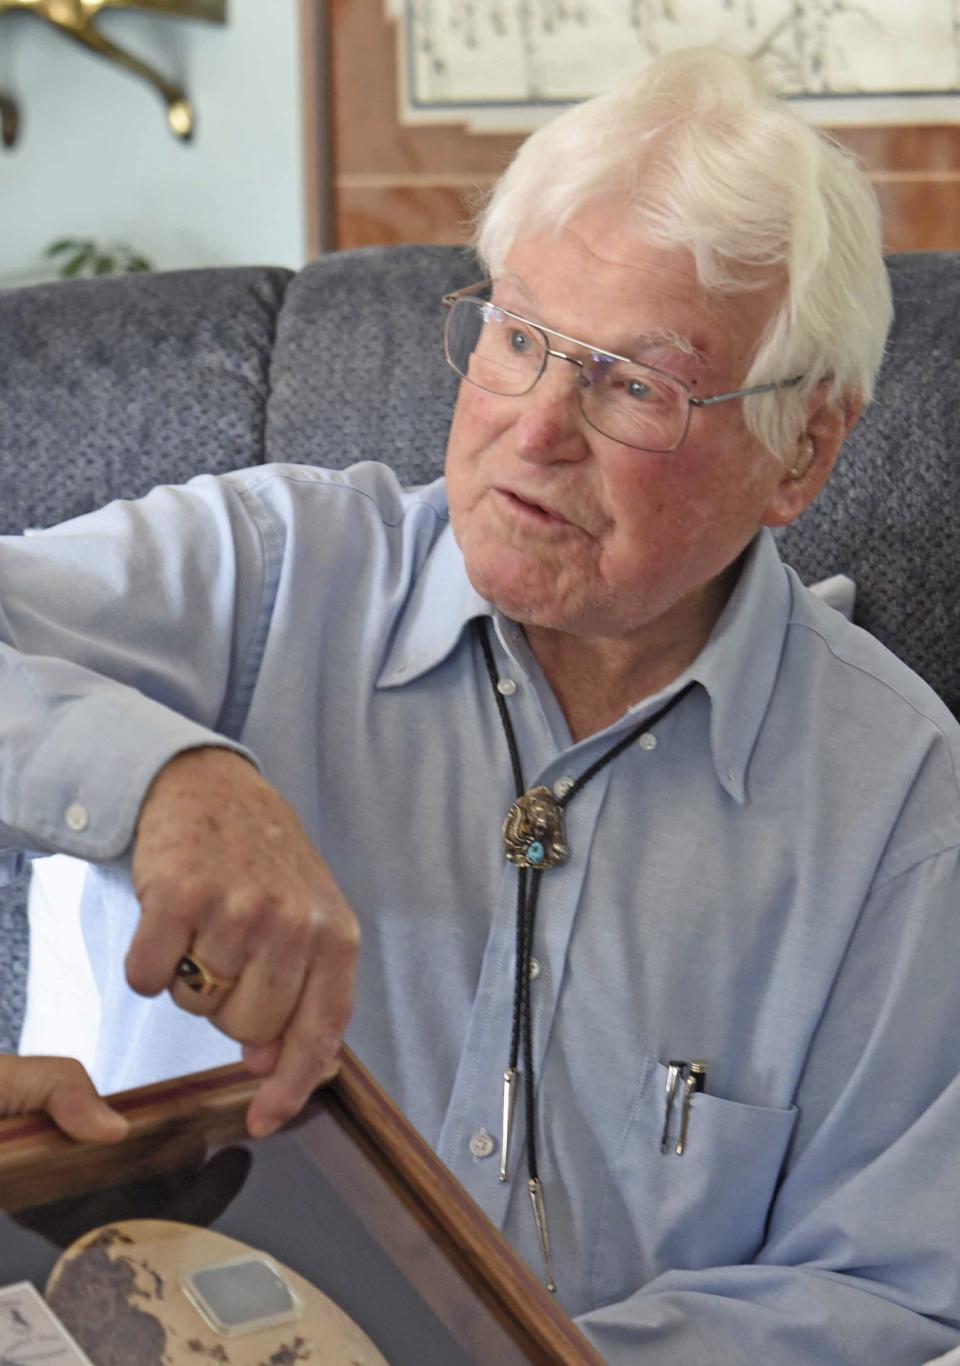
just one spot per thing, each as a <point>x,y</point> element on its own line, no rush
<point>535,511</point>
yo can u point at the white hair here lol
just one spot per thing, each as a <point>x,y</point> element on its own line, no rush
<point>704,157</point>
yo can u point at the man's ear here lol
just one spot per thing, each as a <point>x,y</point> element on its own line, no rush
<point>828,425</point>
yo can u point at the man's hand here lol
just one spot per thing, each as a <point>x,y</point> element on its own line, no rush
<point>223,869</point>
<point>62,1088</point>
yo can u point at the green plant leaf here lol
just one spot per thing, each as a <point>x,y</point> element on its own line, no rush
<point>77,263</point>
<point>88,257</point>
<point>63,244</point>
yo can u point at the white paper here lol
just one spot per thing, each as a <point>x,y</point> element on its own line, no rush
<point>30,1334</point>
<point>506,62</point>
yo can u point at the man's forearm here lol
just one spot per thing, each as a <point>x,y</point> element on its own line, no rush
<point>754,1315</point>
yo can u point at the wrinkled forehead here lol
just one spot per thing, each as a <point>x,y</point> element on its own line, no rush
<point>598,275</point>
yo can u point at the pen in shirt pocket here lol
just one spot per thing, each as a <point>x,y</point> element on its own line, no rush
<point>691,1078</point>
<point>675,1070</point>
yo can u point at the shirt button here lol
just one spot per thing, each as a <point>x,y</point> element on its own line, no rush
<point>506,687</point>
<point>562,786</point>
<point>76,817</point>
<point>535,969</point>
<point>647,740</point>
<point>481,1144</point>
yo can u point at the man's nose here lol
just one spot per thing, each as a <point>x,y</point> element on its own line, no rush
<point>551,424</point>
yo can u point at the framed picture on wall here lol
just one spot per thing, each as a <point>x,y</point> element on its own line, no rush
<point>506,65</point>
<point>427,100</point>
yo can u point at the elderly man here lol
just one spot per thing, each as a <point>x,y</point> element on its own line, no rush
<point>693,1015</point>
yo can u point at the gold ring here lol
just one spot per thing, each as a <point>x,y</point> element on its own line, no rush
<point>194,973</point>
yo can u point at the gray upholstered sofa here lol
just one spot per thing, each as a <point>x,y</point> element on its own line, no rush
<point>108,387</point>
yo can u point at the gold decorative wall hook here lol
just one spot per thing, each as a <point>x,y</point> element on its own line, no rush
<point>77,20</point>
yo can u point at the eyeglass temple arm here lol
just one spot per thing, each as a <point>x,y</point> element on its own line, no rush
<point>745,393</point>
<point>450,299</point>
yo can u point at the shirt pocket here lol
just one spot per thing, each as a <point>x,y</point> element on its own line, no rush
<point>708,1207</point>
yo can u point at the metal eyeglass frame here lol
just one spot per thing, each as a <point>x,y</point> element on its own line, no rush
<point>693,400</point>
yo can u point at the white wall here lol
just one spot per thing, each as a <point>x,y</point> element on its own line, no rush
<point>95,157</point>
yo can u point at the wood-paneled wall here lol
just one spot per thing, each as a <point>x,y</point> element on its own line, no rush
<point>399,184</point>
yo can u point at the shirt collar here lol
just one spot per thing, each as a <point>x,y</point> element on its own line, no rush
<point>737,667</point>
<point>441,603</point>
<point>739,664</point>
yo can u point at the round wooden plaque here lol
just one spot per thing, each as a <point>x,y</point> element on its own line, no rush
<point>119,1291</point>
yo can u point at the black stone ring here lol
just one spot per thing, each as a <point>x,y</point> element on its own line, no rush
<point>195,974</point>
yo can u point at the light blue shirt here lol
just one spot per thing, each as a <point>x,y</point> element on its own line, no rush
<point>770,884</point>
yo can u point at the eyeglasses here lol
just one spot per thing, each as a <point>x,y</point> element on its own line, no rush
<point>623,399</point>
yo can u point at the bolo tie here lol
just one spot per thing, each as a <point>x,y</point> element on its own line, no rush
<point>534,840</point>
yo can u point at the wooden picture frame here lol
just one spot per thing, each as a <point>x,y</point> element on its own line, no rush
<point>406,1203</point>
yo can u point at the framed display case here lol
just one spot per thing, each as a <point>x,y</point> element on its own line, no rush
<point>369,1234</point>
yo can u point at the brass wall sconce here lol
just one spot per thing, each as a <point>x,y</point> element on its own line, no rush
<point>77,20</point>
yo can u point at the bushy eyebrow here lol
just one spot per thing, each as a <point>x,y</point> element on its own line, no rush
<point>673,341</point>
<point>658,339</point>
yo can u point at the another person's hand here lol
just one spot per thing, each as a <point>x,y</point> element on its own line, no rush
<point>61,1087</point>
<point>225,873</point>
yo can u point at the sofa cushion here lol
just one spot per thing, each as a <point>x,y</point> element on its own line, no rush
<point>14,954</point>
<point>888,517</point>
<point>358,368</point>
<point>110,386</point>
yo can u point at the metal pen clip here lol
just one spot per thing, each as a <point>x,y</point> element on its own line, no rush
<point>675,1070</point>
<point>695,1081</point>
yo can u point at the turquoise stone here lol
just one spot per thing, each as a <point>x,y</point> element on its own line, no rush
<point>536,852</point>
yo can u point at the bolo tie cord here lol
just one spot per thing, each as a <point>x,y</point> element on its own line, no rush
<point>528,893</point>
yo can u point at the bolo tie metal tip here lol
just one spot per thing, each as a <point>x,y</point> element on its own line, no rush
<point>506,1120</point>
<point>543,1233</point>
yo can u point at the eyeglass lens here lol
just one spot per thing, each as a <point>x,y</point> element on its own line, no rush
<point>628,402</point>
